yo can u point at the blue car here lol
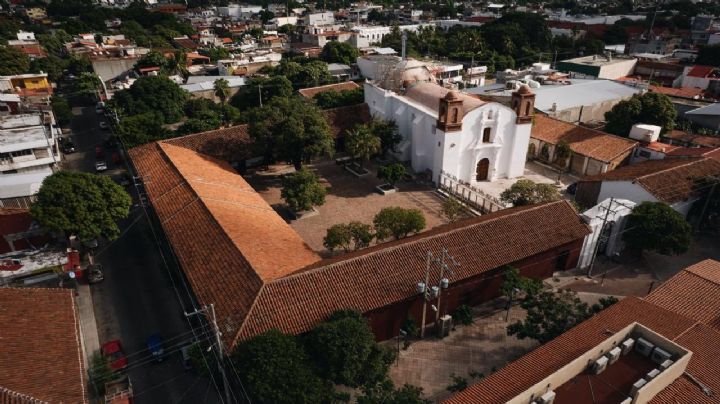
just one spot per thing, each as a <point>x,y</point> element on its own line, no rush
<point>154,344</point>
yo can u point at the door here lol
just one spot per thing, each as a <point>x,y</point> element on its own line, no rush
<point>481,173</point>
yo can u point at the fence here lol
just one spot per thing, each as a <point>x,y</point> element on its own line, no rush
<point>472,196</point>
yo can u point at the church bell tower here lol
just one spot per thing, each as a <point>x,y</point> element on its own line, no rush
<point>523,103</point>
<point>451,113</point>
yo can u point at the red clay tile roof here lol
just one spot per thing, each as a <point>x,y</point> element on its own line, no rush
<point>699,140</point>
<point>530,369</point>
<point>40,352</point>
<point>585,141</point>
<point>386,273</point>
<point>694,293</point>
<point>313,91</point>
<point>429,95</point>
<point>682,92</point>
<point>227,144</point>
<point>669,180</point>
<point>700,71</point>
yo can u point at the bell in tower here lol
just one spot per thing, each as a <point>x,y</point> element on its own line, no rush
<point>451,113</point>
<point>523,103</point>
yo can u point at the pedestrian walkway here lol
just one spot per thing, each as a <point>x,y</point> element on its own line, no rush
<point>88,327</point>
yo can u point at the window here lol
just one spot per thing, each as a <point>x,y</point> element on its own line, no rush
<point>644,153</point>
<point>490,114</point>
<point>455,115</point>
<point>527,109</point>
<point>486,135</point>
<point>433,129</point>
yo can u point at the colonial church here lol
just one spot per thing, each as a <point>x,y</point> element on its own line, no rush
<point>445,131</point>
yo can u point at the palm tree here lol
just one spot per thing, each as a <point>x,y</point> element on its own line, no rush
<point>222,91</point>
<point>361,143</point>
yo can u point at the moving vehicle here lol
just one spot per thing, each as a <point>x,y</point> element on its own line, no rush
<point>113,351</point>
<point>101,165</point>
<point>154,344</point>
<point>104,125</point>
<point>95,273</point>
<point>68,147</point>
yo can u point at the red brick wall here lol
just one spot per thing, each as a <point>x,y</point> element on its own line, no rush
<point>386,322</point>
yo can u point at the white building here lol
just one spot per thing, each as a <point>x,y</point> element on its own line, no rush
<point>449,132</point>
<point>324,18</point>
<point>237,11</point>
<point>365,36</point>
<point>607,239</point>
<point>28,154</point>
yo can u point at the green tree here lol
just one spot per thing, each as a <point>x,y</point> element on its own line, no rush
<point>385,393</point>
<point>345,351</point>
<point>222,91</point>
<point>216,54</point>
<point>290,129</point>
<point>339,52</point>
<point>142,128</point>
<point>549,314</point>
<point>335,99</point>
<point>562,152</point>
<point>392,173</point>
<point>266,87</point>
<point>452,209</point>
<point>655,226</point>
<point>353,235</point>
<point>86,205</point>
<point>12,61</point>
<point>302,190</point>
<point>52,65</point>
<point>526,192</point>
<point>100,373</point>
<point>152,59</point>
<point>649,108</point>
<point>274,368</point>
<point>61,109</point>
<point>709,55</point>
<point>398,222</point>
<point>514,285</point>
<point>155,94</point>
<point>388,133</point>
<point>88,84</point>
<point>361,143</point>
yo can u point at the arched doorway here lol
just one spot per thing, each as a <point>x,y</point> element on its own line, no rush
<point>481,172</point>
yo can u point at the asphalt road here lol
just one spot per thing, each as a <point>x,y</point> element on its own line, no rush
<point>137,297</point>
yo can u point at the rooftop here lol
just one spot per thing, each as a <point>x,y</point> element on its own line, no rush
<point>313,91</point>
<point>22,138</point>
<point>596,60</point>
<point>429,95</point>
<point>585,141</point>
<point>41,354</point>
<point>707,141</point>
<point>669,180</point>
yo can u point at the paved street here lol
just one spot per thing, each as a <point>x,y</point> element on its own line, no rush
<point>137,297</point>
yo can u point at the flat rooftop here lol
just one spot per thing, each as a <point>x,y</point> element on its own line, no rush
<point>611,386</point>
<point>20,120</point>
<point>21,136</point>
<point>596,60</point>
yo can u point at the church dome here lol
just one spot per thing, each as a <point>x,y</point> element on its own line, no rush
<point>524,89</point>
<point>452,96</point>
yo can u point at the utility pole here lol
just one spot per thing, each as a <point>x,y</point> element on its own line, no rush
<point>425,293</point>
<point>260,93</point>
<point>597,243</point>
<point>706,204</point>
<point>218,341</point>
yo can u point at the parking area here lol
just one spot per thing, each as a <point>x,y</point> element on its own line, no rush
<point>349,198</point>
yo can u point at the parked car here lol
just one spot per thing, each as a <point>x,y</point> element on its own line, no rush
<point>104,125</point>
<point>68,147</point>
<point>154,344</point>
<point>113,351</point>
<point>572,188</point>
<point>100,165</point>
<point>100,107</point>
<point>99,152</point>
<point>95,274</point>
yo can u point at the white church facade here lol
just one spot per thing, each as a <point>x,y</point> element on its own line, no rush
<point>445,131</point>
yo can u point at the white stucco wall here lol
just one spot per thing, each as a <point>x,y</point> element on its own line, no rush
<point>456,153</point>
<point>625,190</point>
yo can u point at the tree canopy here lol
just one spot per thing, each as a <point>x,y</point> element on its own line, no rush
<point>353,235</point>
<point>290,129</point>
<point>339,52</point>
<point>266,87</point>
<point>275,369</point>
<point>142,128</point>
<point>302,190</point>
<point>361,143</point>
<point>83,204</point>
<point>12,61</point>
<point>345,351</point>
<point>398,222</point>
<point>709,55</point>
<point>649,108</point>
<point>526,192</point>
<point>152,94</point>
<point>335,99</point>
<point>392,173</point>
<point>655,226</point>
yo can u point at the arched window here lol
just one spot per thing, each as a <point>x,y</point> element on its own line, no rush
<point>486,135</point>
<point>481,172</point>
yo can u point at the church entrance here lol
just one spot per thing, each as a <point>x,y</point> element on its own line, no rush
<point>481,172</point>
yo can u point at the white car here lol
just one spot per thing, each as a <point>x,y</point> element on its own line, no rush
<point>100,165</point>
<point>104,125</point>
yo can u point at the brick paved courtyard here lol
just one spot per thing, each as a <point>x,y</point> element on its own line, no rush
<point>477,348</point>
<point>349,199</point>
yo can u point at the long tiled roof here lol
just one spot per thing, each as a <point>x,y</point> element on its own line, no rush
<point>240,255</point>
<point>669,180</point>
<point>387,273</point>
<point>313,91</point>
<point>429,95</point>
<point>665,311</point>
<point>585,141</point>
<point>708,141</point>
<point>695,293</point>
<point>40,353</point>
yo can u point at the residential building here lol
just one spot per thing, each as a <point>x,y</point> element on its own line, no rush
<point>674,181</point>
<point>204,86</point>
<point>238,11</point>
<point>621,354</point>
<point>706,78</point>
<point>655,45</point>
<point>311,92</point>
<point>368,35</point>
<point>318,19</point>
<point>36,13</point>
<point>599,67</point>
<point>319,36</point>
<point>42,355</point>
<point>33,88</point>
<point>706,117</point>
<point>28,154</point>
<point>18,231</point>
<point>680,138</point>
<point>257,263</point>
<point>27,44</point>
<point>592,151</point>
<point>248,63</point>
<point>342,72</point>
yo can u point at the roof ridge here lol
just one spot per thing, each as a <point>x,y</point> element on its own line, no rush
<point>586,128</point>
<point>249,312</point>
<point>416,238</point>
<point>689,161</point>
<point>79,347</point>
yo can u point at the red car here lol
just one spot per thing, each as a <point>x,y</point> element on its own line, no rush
<point>99,152</point>
<point>114,352</point>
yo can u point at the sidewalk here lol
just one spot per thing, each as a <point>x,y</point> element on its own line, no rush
<point>88,328</point>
